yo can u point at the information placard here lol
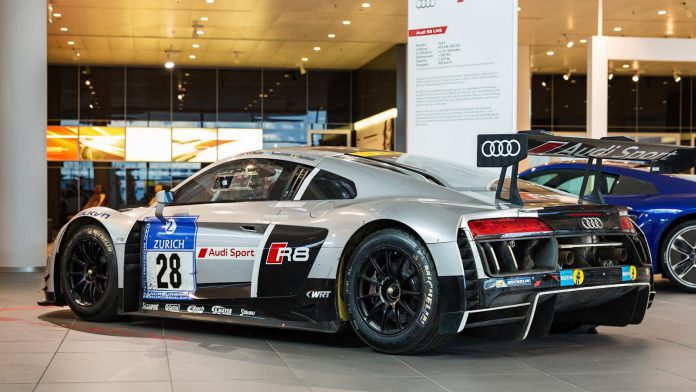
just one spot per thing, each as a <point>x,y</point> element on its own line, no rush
<point>462,75</point>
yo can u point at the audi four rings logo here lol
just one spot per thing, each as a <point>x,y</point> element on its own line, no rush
<point>500,148</point>
<point>592,223</point>
<point>425,3</point>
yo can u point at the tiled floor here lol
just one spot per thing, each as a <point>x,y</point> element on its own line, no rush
<point>46,349</point>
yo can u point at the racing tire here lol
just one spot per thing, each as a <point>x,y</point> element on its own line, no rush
<point>89,274</point>
<point>390,289</point>
<point>678,256</point>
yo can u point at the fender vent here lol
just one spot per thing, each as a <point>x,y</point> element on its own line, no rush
<point>470,274</point>
<point>131,269</point>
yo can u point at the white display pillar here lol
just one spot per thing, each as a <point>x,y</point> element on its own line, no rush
<point>524,88</point>
<point>23,193</point>
<point>597,87</point>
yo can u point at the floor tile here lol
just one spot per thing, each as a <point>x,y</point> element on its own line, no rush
<point>157,386</point>
<point>23,367</point>
<point>108,366</point>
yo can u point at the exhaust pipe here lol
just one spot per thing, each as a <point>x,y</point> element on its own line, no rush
<point>614,254</point>
<point>566,258</point>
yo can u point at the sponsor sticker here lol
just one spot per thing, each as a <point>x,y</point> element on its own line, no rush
<point>221,310</point>
<point>249,313</point>
<point>95,214</point>
<point>572,277</point>
<point>629,273</point>
<point>225,253</point>
<point>172,307</point>
<point>195,309</point>
<point>150,306</point>
<point>318,294</point>
<point>509,282</point>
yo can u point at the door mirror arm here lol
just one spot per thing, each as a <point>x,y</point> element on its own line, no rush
<point>163,198</point>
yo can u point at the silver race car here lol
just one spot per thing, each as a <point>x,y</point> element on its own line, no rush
<point>407,250</point>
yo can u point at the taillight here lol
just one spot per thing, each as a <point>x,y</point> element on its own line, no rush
<point>503,227</point>
<point>627,225</point>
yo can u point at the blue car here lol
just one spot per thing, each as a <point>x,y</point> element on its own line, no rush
<point>664,207</point>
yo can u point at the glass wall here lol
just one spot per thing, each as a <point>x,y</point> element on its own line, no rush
<point>655,108</point>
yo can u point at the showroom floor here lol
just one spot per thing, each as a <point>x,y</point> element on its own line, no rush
<point>46,349</point>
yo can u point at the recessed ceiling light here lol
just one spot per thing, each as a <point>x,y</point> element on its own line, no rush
<point>625,66</point>
<point>196,46</point>
<point>617,29</point>
<point>204,18</point>
<point>57,14</point>
<point>570,44</point>
<point>200,32</point>
<point>87,82</point>
<point>316,48</point>
<point>192,56</point>
<point>519,9</point>
<point>662,12</point>
<point>332,35</point>
<point>91,106</point>
<point>635,78</point>
<point>346,22</point>
<point>583,41</point>
<point>550,53</point>
<point>210,1</point>
<point>63,29</point>
<point>71,43</point>
<point>169,64</point>
<point>305,59</point>
<point>365,5</point>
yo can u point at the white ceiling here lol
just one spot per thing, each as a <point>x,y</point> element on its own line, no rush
<point>278,33</point>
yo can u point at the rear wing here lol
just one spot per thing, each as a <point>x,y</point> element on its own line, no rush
<point>507,150</point>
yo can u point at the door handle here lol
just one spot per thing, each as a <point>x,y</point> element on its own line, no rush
<point>248,228</point>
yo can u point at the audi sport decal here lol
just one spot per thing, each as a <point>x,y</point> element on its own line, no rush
<point>614,151</point>
<point>592,223</point>
<point>225,253</point>
<point>288,256</point>
<point>168,268</point>
<point>500,148</point>
<point>279,251</point>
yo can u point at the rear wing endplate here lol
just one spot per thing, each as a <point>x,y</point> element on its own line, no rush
<point>507,150</point>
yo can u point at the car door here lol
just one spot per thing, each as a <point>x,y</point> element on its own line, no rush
<point>214,232</point>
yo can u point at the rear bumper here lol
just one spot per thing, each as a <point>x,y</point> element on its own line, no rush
<point>618,304</point>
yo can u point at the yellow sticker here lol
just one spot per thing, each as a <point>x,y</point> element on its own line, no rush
<point>367,154</point>
<point>634,272</point>
<point>578,277</point>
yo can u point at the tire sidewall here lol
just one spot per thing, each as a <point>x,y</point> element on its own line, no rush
<point>427,318</point>
<point>106,303</point>
<point>666,266</point>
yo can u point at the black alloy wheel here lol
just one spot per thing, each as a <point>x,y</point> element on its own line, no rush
<point>88,273</point>
<point>679,256</point>
<point>390,291</point>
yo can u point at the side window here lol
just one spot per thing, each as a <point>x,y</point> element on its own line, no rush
<point>542,179</point>
<point>242,180</point>
<point>329,186</point>
<point>632,186</point>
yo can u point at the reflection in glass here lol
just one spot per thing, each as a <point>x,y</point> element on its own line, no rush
<point>61,143</point>
<point>148,144</point>
<point>194,145</point>
<point>102,143</point>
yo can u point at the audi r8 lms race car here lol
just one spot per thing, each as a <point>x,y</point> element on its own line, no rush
<point>408,251</point>
<point>664,207</point>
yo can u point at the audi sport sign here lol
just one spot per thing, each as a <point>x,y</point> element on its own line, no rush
<point>501,150</point>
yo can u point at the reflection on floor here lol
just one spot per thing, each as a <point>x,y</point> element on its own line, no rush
<point>46,349</point>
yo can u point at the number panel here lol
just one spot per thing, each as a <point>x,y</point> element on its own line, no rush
<point>168,260</point>
<point>170,271</point>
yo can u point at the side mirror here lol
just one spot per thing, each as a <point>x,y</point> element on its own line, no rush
<point>163,198</point>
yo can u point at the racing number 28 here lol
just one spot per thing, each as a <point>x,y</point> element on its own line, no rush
<point>174,274</point>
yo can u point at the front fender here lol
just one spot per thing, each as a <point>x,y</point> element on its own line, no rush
<point>117,224</point>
